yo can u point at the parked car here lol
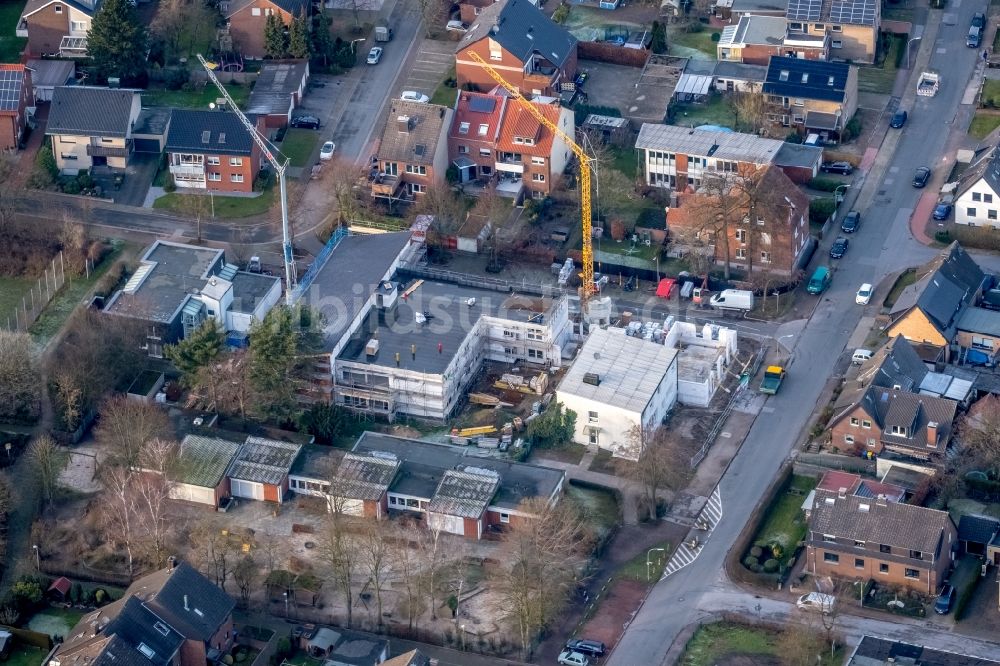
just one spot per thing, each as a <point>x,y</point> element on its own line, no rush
<point>979,20</point>
<point>457,26</point>
<point>374,55</point>
<point>326,152</point>
<point>839,248</point>
<point>819,281</point>
<point>587,647</point>
<point>843,168</point>
<point>305,122</point>
<point>414,96</point>
<point>817,601</point>
<point>864,294</point>
<point>921,176</point>
<point>974,38</point>
<point>944,601</point>
<point>851,223</point>
<point>861,356</point>
<point>942,211</point>
<point>573,658</point>
<point>898,119</point>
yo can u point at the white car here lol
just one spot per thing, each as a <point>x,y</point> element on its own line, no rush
<point>374,55</point>
<point>817,601</point>
<point>414,96</point>
<point>457,26</point>
<point>864,294</point>
<point>573,658</point>
<point>326,152</point>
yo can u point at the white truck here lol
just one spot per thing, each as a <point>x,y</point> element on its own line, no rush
<point>928,84</point>
<point>733,299</point>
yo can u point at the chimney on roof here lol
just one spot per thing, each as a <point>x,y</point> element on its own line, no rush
<point>403,124</point>
<point>171,563</point>
<point>881,501</point>
<point>932,434</point>
<point>842,493</point>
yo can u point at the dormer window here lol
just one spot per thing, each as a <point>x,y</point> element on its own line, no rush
<point>483,129</point>
<point>805,77</point>
<point>463,128</point>
<point>898,430</point>
<point>783,75</point>
<point>829,81</point>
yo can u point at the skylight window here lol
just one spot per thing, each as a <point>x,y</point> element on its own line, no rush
<point>783,75</point>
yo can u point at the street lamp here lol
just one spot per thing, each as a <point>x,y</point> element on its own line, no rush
<point>778,339</point>
<point>918,32</point>
<point>838,195</point>
<point>38,562</point>
<point>648,553</point>
<point>286,604</point>
<point>463,637</point>
<point>354,49</point>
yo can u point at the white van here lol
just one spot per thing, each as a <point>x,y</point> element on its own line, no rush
<point>817,601</point>
<point>860,356</point>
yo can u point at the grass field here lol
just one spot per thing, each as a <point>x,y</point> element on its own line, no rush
<point>25,655</point>
<point>194,99</point>
<point>225,207</point>
<point>905,279</point>
<point>635,569</point>
<point>298,145</point>
<point>724,643</point>
<point>10,45</point>
<point>785,523</point>
<point>445,95</point>
<point>600,507</point>
<point>12,290</point>
<point>692,41</point>
<point>881,79</point>
<point>716,111</point>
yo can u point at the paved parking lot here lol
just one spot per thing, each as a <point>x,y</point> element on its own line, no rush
<point>429,66</point>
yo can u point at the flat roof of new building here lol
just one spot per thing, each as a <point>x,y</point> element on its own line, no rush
<point>701,143</point>
<point>167,275</point>
<point>454,310</point>
<point>350,274</point>
<point>152,121</point>
<point>628,369</point>
<point>424,465</point>
<point>249,289</point>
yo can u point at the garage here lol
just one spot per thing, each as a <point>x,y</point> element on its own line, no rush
<point>187,492</point>
<point>446,523</point>
<point>150,132</point>
<point>247,489</point>
<point>202,477</point>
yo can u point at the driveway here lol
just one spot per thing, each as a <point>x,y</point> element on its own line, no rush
<point>428,67</point>
<point>138,177</point>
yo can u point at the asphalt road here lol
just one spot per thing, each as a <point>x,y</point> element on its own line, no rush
<point>882,245</point>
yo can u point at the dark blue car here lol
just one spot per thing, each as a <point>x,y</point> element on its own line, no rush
<point>942,211</point>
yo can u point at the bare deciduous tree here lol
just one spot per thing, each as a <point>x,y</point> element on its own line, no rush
<point>119,511</point>
<point>339,550</point>
<point>215,548</point>
<point>750,107</point>
<point>126,425</point>
<point>47,461</point>
<point>662,463</point>
<point>376,558</point>
<point>406,563</point>
<point>20,380</point>
<point>800,645</point>
<point>246,575</point>
<point>152,498</point>
<point>980,431</point>
<point>541,560</point>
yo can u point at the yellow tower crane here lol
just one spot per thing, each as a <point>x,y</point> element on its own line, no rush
<point>585,220</point>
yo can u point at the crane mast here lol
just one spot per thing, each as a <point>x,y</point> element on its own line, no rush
<point>585,204</point>
<point>279,168</point>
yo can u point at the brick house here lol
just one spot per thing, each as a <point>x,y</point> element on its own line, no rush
<point>473,135</point>
<point>755,39</point>
<point>928,312</point>
<point>772,237</point>
<point>892,543</point>
<point>439,484</point>
<point>57,28</point>
<point>413,152</point>
<point>15,98</point>
<point>246,19</point>
<point>211,150</point>
<point>529,49</point>
<point>174,616</point>
<point>885,419</point>
<point>469,10</point>
<point>92,127</point>
<point>852,26</point>
<point>811,95</point>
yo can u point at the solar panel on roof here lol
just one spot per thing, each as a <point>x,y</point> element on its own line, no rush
<point>804,10</point>
<point>482,104</point>
<point>855,12</point>
<point>10,89</point>
<point>420,149</point>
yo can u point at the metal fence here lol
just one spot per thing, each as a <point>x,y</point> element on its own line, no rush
<point>339,234</point>
<point>39,295</point>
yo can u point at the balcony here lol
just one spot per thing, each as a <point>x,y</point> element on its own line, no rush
<point>22,28</point>
<point>510,162</point>
<point>385,185</point>
<point>73,47</point>
<point>101,150</point>
<point>188,171</point>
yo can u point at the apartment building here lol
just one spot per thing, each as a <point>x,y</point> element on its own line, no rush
<point>852,26</point>
<point>812,96</point>
<point>211,150</point>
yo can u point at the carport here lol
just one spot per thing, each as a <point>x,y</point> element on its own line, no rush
<point>466,169</point>
<point>693,88</point>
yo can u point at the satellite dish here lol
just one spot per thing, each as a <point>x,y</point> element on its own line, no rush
<point>211,105</point>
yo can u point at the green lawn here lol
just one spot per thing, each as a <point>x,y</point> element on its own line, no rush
<point>298,145</point>
<point>881,79</point>
<point>635,569</point>
<point>600,507</point>
<point>25,655</point>
<point>721,642</point>
<point>692,41</point>
<point>73,293</point>
<point>12,290</point>
<point>716,111</point>
<point>445,95</point>
<point>903,281</point>
<point>225,207</point>
<point>991,88</point>
<point>624,160</point>
<point>784,522</point>
<point>10,46</point>
<point>55,621</point>
<point>194,99</point>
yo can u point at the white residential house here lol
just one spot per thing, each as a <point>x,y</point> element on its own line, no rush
<point>617,384</point>
<point>978,201</point>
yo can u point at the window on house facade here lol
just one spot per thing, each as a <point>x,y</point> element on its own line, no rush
<point>741,235</point>
<point>214,176</point>
<point>592,417</point>
<point>463,150</point>
<point>417,188</point>
<point>916,555</point>
<point>765,257</point>
<point>212,161</point>
<point>463,128</point>
<point>819,26</point>
<point>536,354</point>
<point>391,168</point>
<point>538,161</point>
<point>830,538</point>
<point>854,421</point>
<point>885,549</point>
<point>971,212</point>
<point>859,563</point>
<point>78,26</point>
<point>883,568</point>
<point>898,430</point>
<point>236,161</point>
<point>741,253</point>
<point>836,43</point>
<point>236,177</point>
<point>504,517</point>
<point>58,9</point>
<point>255,11</point>
<point>837,28</point>
<point>418,169</point>
<point>859,544</point>
<point>848,439</point>
<point>991,214</point>
<point>483,129</point>
<point>981,342</point>
<point>987,198</point>
<point>976,196</point>
<point>485,152</point>
<point>832,558</point>
<point>865,423</point>
<point>911,573</point>
<point>538,177</point>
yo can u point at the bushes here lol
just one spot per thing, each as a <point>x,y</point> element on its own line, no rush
<point>168,183</point>
<point>771,566</point>
<point>561,13</point>
<point>824,184</point>
<point>852,129</point>
<point>983,238</point>
<point>821,209</point>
